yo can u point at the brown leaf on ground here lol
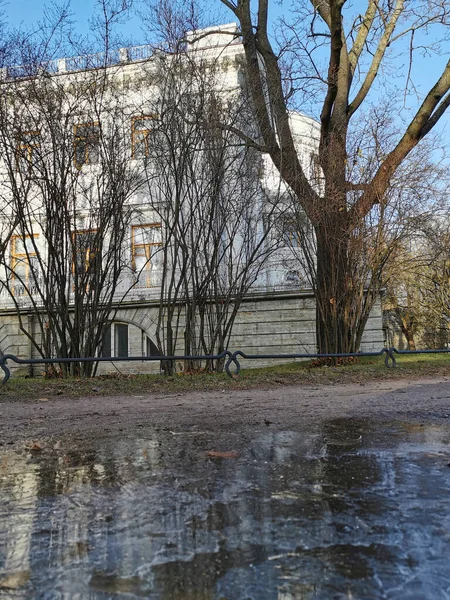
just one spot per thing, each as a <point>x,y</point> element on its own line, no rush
<point>14,581</point>
<point>218,454</point>
<point>36,446</point>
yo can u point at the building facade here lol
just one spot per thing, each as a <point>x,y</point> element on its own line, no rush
<point>137,222</point>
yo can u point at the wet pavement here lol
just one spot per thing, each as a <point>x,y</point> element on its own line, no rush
<point>346,510</point>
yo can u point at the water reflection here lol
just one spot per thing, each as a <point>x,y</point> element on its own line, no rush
<point>348,511</point>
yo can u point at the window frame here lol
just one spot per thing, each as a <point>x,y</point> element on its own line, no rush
<point>21,146</point>
<point>148,265</point>
<point>140,132</point>
<point>19,257</point>
<point>87,140</point>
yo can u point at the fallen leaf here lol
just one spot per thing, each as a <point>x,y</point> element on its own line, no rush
<point>35,446</point>
<point>43,400</point>
<point>15,580</point>
<point>218,454</point>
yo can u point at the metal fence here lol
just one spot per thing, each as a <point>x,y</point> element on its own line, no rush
<point>231,358</point>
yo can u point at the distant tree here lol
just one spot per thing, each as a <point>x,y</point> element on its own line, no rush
<point>418,291</point>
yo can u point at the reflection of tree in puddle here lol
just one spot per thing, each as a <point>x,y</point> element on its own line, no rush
<point>18,499</point>
<point>298,515</point>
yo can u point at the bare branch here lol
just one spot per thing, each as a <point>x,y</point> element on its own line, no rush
<point>378,57</point>
<point>363,31</point>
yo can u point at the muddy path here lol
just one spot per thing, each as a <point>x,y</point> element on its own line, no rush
<point>419,400</point>
<point>297,492</point>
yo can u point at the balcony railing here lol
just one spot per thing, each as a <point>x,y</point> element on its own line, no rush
<point>92,61</point>
<point>22,293</point>
<point>30,293</point>
<point>137,53</point>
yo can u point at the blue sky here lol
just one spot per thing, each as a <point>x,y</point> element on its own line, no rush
<point>26,14</point>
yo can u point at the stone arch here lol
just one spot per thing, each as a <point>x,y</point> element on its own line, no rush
<point>141,319</point>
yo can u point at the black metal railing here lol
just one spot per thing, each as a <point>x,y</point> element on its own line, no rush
<point>230,358</point>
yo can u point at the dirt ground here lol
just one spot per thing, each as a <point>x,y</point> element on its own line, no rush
<point>420,400</point>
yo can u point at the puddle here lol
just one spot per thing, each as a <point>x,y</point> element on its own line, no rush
<point>351,510</point>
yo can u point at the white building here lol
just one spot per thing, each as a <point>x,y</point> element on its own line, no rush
<point>112,160</point>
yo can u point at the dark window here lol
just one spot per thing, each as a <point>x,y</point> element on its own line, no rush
<point>291,234</point>
<point>106,344</point>
<point>152,349</point>
<point>119,333</point>
<point>293,278</point>
<point>86,144</point>
<point>315,169</point>
<point>120,339</point>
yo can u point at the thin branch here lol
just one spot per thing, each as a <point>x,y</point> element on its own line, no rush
<point>378,57</point>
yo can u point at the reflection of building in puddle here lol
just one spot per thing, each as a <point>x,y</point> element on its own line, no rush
<point>157,518</point>
<point>19,482</point>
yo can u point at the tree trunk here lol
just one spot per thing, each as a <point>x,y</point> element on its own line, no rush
<point>333,289</point>
<point>409,335</point>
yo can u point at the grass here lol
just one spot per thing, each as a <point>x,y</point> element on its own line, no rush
<point>365,369</point>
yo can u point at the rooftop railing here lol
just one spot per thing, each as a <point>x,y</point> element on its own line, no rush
<point>84,62</point>
<point>79,63</point>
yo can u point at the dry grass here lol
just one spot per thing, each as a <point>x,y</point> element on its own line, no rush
<point>365,369</point>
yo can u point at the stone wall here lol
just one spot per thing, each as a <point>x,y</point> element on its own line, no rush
<point>271,324</point>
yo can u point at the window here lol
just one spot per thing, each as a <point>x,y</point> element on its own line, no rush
<point>151,349</point>
<point>293,278</point>
<point>86,144</point>
<point>24,261</point>
<point>85,252</point>
<point>120,339</point>
<point>141,128</point>
<point>27,148</point>
<point>115,340</point>
<point>291,234</point>
<point>146,253</point>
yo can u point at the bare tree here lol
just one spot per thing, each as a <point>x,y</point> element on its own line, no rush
<point>67,180</point>
<point>205,188</point>
<point>333,57</point>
